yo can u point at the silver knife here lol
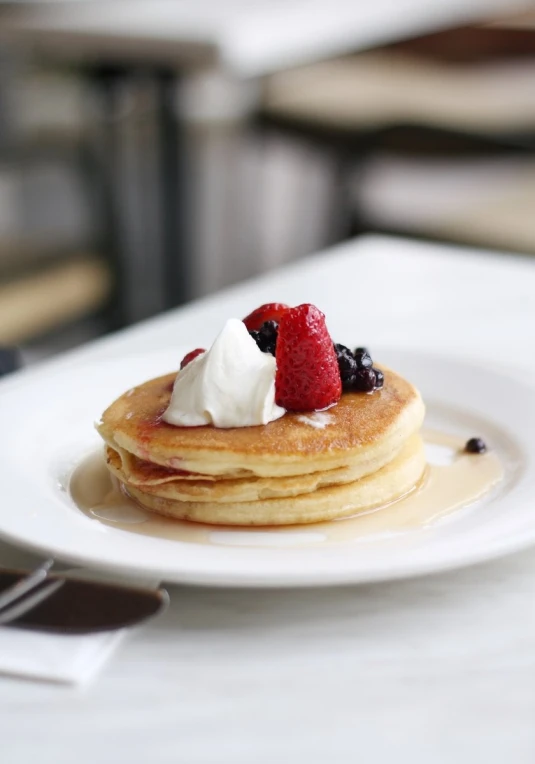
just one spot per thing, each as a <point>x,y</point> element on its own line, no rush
<point>78,606</point>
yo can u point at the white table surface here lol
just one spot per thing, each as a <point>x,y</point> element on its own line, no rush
<point>251,37</point>
<point>430,671</point>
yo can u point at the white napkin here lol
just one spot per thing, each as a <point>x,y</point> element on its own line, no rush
<point>54,657</point>
<point>51,657</point>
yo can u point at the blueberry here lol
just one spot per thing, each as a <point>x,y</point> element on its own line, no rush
<point>365,380</point>
<point>363,359</point>
<point>347,366</point>
<point>266,337</point>
<point>254,335</point>
<point>269,329</point>
<point>475,446</point>
<point>379,378</point>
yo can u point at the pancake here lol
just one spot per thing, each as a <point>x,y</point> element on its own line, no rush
<point>360,431</point>
<point>141,472</point>
<point>161,481</point>
<point>382,487</point>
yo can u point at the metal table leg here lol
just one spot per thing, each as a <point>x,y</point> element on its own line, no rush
<point>142,190</point>
<point>176,244</point>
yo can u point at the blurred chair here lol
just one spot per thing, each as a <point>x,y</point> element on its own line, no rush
<point>423,110</point>
<point>385,89</point>
<point>50,298</point>
<point>50,274</point>
<point>483,201</point>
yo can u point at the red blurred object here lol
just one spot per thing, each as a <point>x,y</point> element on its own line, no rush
<point>270,311</point>
<point>190,356</point>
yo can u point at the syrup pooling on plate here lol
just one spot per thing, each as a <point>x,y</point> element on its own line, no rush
<point>456,481</point>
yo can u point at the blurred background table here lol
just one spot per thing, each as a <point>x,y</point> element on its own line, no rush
<point>169,131</point>
<point>430,671</point>
<point>251,38</point>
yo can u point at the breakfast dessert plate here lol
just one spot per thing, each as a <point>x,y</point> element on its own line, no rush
<point>59,499</point>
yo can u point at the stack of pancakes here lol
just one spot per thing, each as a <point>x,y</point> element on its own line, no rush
<point>363,452</point>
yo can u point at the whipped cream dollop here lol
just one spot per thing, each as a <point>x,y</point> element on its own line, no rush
<point>230,385</point>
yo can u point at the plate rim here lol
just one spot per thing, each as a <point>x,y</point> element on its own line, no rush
<point>310,577</point>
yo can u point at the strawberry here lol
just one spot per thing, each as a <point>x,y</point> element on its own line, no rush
<point>271,311</point>
<point>307,376</point>
<point>190,356</point>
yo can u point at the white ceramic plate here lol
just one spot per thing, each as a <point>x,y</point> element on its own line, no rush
<point>49,418</point>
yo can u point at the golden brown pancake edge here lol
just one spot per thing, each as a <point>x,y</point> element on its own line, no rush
<point>368,427</point>
<point>382,487</point>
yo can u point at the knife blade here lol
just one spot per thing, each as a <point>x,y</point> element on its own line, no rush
<point>80,606</point>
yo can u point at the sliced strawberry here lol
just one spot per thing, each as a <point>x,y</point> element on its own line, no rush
<point>307,377</point>
<point>190,356</point>
<point>271,311</point>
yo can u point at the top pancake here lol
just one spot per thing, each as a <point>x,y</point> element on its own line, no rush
<point>360,427</point>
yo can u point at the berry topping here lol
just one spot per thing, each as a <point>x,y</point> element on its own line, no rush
<point>271,311</point>
<point>266,336</point>
<point>307,375</point>
<point>363,358</point>
<point>379,378</point>
<point>475,446</point>
<point>347,366</point>
<point>190,356</point>
<point>365,380</point>
<point>255,335</point>
<point>356,369</point>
